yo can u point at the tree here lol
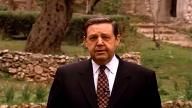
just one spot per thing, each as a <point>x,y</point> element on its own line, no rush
<point>90,4</point>
<point>48,31</point>
<point>29,4</point>
<point>11,5</point>
<point>154,10</point>
<point>134,6</point>
<point>3,1</point>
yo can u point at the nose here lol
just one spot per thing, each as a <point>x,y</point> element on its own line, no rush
<point>99,41</point>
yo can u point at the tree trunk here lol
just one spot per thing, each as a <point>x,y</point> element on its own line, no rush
<point>134,6</point>
<point>48,31</point>
<point>29,4</point>
<point>3,1</point>
<point>154,9</point>
<point>90,4</point>
<point>11,5</point>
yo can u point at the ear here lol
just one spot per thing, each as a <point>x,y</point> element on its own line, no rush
<point>84,41</point>
<point>118,39</point>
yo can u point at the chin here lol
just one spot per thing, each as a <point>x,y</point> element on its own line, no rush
<point>101,56</point>
<point>101,59</point>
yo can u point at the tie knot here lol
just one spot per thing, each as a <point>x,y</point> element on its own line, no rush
<point>102,67</point>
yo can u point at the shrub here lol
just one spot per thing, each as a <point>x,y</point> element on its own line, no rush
<point>3,8</point>
<point>163,92</point>
<point>40,2</point>
<point>109,7</point>
<point>26,93</point>
<point>40,93</point>
<point>17,23</point>
<point>188,90</point>
<point>74,33</point>
<point>9,94</point>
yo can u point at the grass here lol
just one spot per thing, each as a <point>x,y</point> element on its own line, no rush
<point>12,45</point>
<point>15,92</point>
<point>171,63</point>
<point>18,45</point>
<point>77,50</point>
<point>188,90</point>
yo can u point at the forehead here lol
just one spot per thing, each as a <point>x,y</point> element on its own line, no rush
<point>102,27</point>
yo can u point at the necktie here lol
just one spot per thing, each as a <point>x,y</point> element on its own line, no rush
<point>103,93</point>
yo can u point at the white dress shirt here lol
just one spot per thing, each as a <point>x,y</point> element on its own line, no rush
<point>110,71</point>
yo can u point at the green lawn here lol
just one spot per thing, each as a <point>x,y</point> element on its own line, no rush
<point>14,91</point>
<point>171,63</point>
<point>12,45</point>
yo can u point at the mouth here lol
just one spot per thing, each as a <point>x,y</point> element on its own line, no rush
<point>100,51</point>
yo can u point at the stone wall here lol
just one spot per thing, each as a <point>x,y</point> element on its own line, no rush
<point>168,104</point>
<point>143,7</point>
<point>177,104</point>
<point>188,12</point>
<point>30,105</point>
<point>39,67</point>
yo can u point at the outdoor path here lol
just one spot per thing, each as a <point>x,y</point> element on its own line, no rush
<point>167,34</point>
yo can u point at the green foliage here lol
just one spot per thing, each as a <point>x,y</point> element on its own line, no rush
<point>12,45</point>
<point>188,90</point>
<point>177,92</point>
<point>40,93</point>
<point>3,8</point>
<point>16,92</point>
<point>9,94</point>
<point>171,63</point>
<point>74,33</point>
<point>163,92</point>
<point>129,39</point>
<point>109,7</point>
<point>40,2</point>
<point>17,23</point>
<point>26,93</point>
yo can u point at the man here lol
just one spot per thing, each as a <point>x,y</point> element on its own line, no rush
<point>105,80</point>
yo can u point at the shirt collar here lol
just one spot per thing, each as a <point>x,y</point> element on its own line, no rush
<point>112,65</point>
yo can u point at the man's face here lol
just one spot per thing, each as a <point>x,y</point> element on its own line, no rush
<point>101,42</point>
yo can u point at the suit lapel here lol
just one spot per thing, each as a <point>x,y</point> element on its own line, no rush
<point>121,83</point>
<point>87,83</point>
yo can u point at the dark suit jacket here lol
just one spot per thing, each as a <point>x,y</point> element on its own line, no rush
<point>134,87</point>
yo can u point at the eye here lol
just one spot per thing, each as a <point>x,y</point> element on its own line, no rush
<point>92,37</point>
<point>105,37</point>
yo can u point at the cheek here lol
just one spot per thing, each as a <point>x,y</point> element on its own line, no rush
<point>90,46</point>
<point>112,45</point>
